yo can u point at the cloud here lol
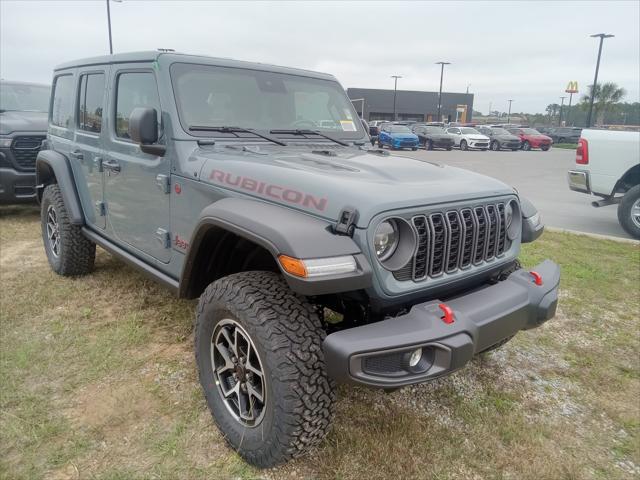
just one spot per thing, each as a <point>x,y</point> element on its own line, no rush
<point>521,50</point>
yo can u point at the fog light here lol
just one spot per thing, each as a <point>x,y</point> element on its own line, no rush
<point>415,357</point>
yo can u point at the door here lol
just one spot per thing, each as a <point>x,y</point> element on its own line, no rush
<point>136,183</point>
<point>87,153</point>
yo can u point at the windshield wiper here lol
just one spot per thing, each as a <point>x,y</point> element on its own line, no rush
<point>235,130</point>
<point>309,132</point>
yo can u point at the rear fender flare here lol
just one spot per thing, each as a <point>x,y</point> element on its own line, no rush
<point>53,167</point>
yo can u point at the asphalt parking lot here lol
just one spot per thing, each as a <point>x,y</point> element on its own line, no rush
<point>542,178</point>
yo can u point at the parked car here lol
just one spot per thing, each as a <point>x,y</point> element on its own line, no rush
<point>531,138</point>
<point>374,127</point>
<point>433,137</point>
<point>397,136</point>
<point>499,138</point>
<point>23,127</point>
<point>271,223</point>
<point>564,134</point>
<point>608,165</point>
<point>467,137</point>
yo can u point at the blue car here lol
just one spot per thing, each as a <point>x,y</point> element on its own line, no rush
<point>397,136</point>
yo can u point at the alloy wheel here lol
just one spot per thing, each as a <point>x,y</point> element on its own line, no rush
<point>238,373</point>
<point>53,231</point>
<point>635,213</point>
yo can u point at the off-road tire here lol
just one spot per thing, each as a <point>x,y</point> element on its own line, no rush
<point>625,211</point>
<point>76,253</point>
<point>287,333</point>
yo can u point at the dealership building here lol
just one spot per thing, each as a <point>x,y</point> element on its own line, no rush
<point>411,105</point>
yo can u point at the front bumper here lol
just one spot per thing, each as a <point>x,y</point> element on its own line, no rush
<point>405,144</point>
<point>478,144</point>
<point>17,187</point>
<point>579,181</point>
<point>376,354</point>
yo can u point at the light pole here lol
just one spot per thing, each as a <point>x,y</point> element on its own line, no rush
<point>602,36</point>
<point>442,64</point>
<point>109,24</point>
<point>468,89</point>
<point>561,105</point>
<point>395,92</point>
<point>509,114</point>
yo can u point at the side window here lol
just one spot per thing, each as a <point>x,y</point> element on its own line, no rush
<point>90,102</point>
<point>135,89</point>
<point>62,107</point>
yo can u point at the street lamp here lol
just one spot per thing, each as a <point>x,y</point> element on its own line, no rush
<point>561,105</point>
<point>109,24</point>
<point>395,92</point>
<point>442,64</point>
<point>468,88</point>
<point>602,36</point>
<point>509,114</point>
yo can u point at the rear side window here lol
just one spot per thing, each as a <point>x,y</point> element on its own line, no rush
<point>62,106</point>
<point>90,102</point>
<point>135,89</point>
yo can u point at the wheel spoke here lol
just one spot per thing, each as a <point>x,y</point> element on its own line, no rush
<point>227,392</point>
<point>231,343</point>
<point>253,392</point>
<point>224,353</point>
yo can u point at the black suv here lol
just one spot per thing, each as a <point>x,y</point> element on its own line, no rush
<point>23,127</point>
<point>565,134</point>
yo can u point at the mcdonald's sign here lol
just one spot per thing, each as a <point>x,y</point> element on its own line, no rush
<point>572,87</point>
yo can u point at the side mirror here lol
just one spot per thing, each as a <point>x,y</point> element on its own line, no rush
<point>143,130</point>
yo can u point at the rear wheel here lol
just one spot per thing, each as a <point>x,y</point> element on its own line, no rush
<point>428,145</point>
<point>463,145</point>
<point>414,148</point>
<point>526,146</point>
<point>629,212</point>
<point>260,362</point>
<point>449,149</point>
<point>69,252</point>
<point>495,146</point>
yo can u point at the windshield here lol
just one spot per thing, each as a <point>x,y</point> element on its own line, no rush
<point>210,96</point>
<point>24,98</point>
<point>500,131</point>
<point>469,131</point>
<point>531,131</point>
<point>399,129</point>
<point>434,130</point>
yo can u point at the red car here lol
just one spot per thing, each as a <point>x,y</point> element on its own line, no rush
<point>531,138</point>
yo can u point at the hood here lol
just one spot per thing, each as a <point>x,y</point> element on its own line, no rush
<point>438,136</point>
<point>323,185</point>
<point>536,137</point>
<point>477,137</point>
<point>507,138</point>
<point>13,121</point>
<point>403,136</point>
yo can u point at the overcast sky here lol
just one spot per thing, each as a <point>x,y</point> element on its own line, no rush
<point>520,50</point>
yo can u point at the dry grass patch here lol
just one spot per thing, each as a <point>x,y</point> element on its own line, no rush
<point>98,382</point>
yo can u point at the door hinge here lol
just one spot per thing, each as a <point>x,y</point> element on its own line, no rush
<point>163,183</point>
<point>101,208</point>
<point>346,221</point>
<point>163,237</point>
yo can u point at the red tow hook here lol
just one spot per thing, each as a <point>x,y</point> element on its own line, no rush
<point>537,278</point>
<point>448,313</point>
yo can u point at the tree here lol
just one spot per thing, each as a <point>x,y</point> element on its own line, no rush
<point>606,96</point>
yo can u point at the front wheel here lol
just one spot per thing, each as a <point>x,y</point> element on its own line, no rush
<point>260,362</point>
<point>68,251</point>
<point>545,148</point>
<point>495,146</point>
<point>414,148</point>
<point>429,145</point>
<point>629,212</point>
<point>463,145</point>
<point>526,146</point>
<point>380,144</point>
<point>449,149</point>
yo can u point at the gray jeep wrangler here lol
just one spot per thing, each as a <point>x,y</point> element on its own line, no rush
<point>317,259</point>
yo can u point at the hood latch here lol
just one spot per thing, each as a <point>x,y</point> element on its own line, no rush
<point>346,221</point>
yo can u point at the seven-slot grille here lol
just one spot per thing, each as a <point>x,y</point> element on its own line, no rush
<point>456,239</point>
<point>25,150</point>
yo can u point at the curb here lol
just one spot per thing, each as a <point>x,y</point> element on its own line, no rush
<point>594,235</point>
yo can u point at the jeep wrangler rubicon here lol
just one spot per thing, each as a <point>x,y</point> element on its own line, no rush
<point>255,188</point>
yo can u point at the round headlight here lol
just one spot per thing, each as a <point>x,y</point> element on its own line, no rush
<point>508,215</point>
<point>512,219</point>
<point>385,240</point>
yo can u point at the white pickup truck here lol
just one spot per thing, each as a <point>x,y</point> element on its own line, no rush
<point>608,165</point>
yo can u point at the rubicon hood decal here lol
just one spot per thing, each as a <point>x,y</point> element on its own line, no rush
<point>277,192</point>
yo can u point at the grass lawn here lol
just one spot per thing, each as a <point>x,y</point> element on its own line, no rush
<point>568,146</point>
<point>98,381</point>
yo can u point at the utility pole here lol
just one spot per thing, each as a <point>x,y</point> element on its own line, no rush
<point>509,114</point>
<point>442,64</point>
<point>109,24</point>
<point>468,89</point>
<point>561,105</point>
<point>395,92</point>
<point>602,36</point>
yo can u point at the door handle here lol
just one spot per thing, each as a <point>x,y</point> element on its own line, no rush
<point>111,165</point>
<point>77,154</point>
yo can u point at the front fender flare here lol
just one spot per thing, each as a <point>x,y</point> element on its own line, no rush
<point>281,231</point>
<point>53,167</point>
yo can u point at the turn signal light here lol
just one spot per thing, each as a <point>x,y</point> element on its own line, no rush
<point>294,266</point>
